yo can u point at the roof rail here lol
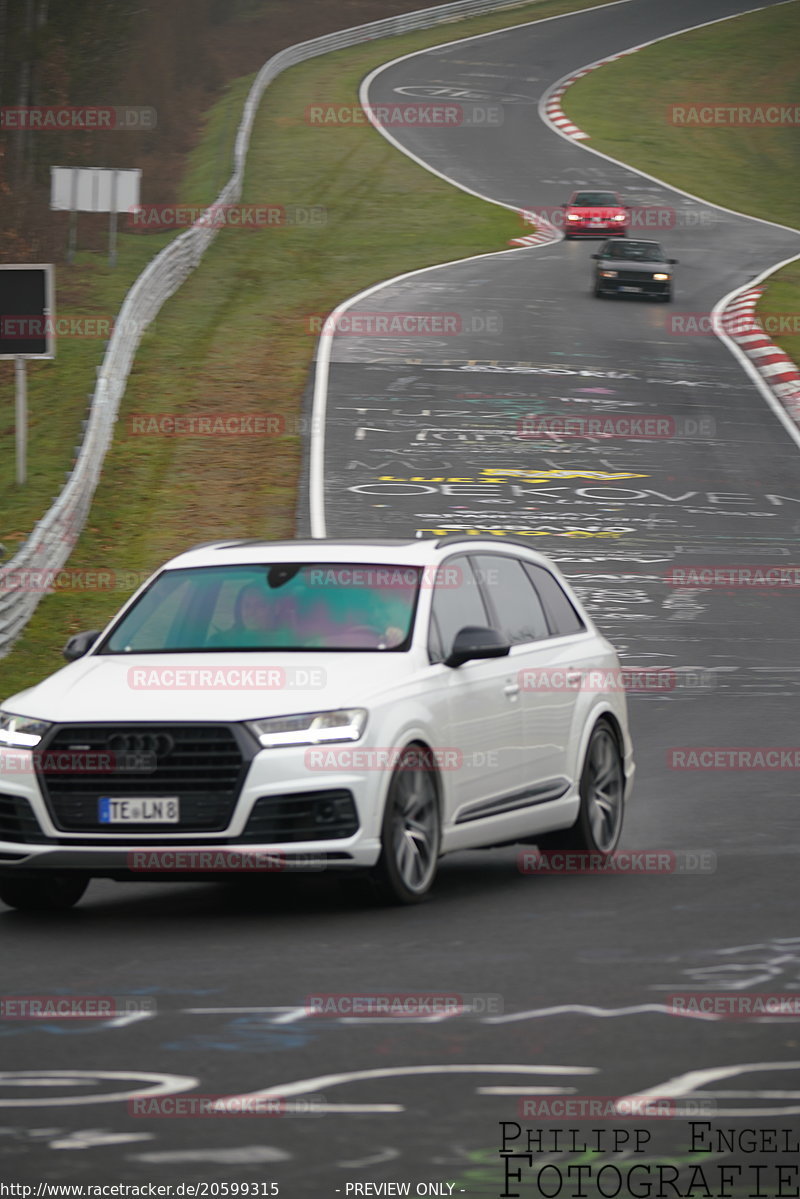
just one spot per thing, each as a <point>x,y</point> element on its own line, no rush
<point>466,538</point>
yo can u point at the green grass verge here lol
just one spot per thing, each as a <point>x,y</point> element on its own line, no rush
<point>236,336</point>
<point>749,60</point>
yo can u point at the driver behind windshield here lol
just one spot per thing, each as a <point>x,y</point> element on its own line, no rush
<point>644,251</point>
<point>314,611</point>
<point>259,618</point>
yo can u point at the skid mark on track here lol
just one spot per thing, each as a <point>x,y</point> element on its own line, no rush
<point>245,1155</point>
<point>50,1082</point>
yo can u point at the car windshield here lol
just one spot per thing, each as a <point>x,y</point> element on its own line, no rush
<point>641,251</point>
<point>588,199</point>
<point>281,606</point>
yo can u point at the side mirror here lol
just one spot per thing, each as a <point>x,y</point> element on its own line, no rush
<point>474,642</point>
<point>597,255</point>
<point>672,260</point>
<point>79,645</point>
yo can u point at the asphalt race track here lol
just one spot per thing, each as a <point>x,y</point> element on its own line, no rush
<point>564,981</point>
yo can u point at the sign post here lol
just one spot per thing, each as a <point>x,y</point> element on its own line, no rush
<point>27,315</point>
<point>21,413</point>
<point>94,189</point>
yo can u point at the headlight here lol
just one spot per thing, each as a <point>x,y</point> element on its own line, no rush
<point>573,216</point>
<point>609,274</point>
<point>618,216</point>
<point>21,732</point>
<point>661,278</point>
<point>310,728</point>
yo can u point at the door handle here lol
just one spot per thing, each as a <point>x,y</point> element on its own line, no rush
<point>574,678</point>
<point>511,689</point>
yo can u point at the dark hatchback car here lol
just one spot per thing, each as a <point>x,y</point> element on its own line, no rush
<point>633,267</point>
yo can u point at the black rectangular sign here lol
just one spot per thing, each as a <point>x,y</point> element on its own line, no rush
<point>26,311</point>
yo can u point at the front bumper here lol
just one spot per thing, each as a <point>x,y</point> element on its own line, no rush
<point>284,814</point>
<point>635,287</point>
<point>587,228</point>
<point>184,863</point>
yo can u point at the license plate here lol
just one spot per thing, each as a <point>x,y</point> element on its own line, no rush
<point>139,811</point>
<point>597,223</point>
<point>630,289</point>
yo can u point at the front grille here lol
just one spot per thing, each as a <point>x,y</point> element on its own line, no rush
<point>203,765</point>
<point>17,821</point>
<point>309,816</point>
<point>641,277</point>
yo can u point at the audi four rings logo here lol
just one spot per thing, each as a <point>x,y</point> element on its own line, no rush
<point>160,744</point>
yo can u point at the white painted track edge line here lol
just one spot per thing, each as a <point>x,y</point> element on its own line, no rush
<point>316,467</point>
<point>322,367</point>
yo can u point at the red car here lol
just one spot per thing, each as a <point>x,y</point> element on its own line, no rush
<point>595,214</point>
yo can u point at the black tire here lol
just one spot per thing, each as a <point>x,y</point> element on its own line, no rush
<point>666,297</point>
<point>50,893</point>
<point>599,824</point>
<point>412,831</point>
<point>598,291</point>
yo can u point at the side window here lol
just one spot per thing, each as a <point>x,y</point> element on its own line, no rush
<point>518,612</point>
<point>561,616</point>
<point>456,602</point>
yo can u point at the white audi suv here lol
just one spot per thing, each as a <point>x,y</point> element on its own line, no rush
<point>320,704</point>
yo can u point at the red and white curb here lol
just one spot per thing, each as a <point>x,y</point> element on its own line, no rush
<point>544,235</point>
<point>552,109</point>
<point>776,368</point>
<point>554,116</point>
